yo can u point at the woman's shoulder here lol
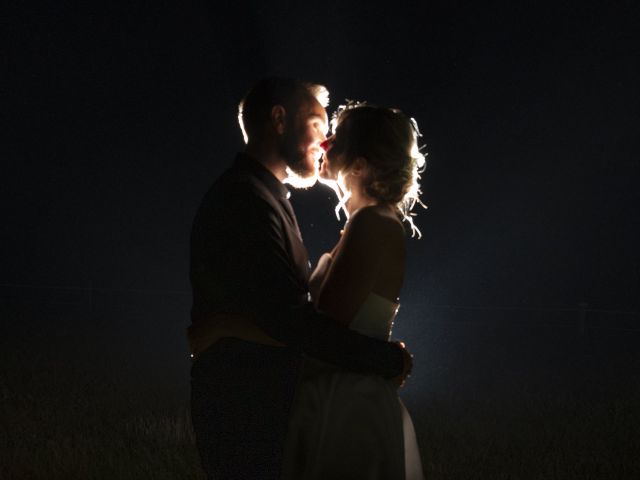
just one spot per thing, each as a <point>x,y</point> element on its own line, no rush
<point>375,229</point>
<point>376,219</point>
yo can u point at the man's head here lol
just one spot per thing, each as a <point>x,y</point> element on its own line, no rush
<point>287,115</point>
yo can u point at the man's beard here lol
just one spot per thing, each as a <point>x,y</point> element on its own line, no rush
<point>300,174</point>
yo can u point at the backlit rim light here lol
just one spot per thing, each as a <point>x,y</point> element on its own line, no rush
<point>297,181</point>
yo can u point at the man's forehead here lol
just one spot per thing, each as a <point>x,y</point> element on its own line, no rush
<point>312,109</point>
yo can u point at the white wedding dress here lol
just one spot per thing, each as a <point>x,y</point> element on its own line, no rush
<point>348,425</point>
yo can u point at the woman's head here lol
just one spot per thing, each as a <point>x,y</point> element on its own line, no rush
<point>385,141</point>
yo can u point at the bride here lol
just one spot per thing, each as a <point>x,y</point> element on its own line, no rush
<point>348,425</point>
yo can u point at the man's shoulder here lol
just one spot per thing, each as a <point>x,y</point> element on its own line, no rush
<point>236,182</point>
<point>238,189</point>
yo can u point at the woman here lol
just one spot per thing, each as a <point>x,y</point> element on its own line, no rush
<point>349,425</point>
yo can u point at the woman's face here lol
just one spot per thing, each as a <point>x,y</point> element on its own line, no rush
<point>334,158</point>
<point>325,168</point>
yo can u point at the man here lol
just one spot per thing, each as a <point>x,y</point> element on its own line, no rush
<point>251,318</point>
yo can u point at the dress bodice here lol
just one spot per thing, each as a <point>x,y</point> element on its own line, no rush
<point>375,317</point>
<point>376,314</point>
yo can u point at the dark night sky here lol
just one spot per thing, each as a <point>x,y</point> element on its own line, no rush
<point>118,118</point>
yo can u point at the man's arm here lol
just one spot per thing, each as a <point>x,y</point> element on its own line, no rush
<point>319,336</point>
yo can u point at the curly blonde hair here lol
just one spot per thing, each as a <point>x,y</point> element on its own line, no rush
<point>388,140</point>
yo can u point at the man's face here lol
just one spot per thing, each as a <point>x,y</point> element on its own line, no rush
<point>306,130</point>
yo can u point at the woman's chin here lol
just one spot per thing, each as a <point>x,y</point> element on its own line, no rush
<point>325,173</point>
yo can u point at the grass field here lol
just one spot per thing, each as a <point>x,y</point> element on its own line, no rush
<point>97,418</point>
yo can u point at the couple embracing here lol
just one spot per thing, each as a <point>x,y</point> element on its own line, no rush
<point>294,376</point>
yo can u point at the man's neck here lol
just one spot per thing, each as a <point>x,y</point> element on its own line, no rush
<point>269,159</point>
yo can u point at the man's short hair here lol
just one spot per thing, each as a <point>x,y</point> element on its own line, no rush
<point>254,109</point>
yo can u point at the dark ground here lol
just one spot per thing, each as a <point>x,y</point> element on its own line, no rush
<point>506,398</point>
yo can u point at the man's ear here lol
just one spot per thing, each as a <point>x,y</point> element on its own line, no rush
<point>278,118</point>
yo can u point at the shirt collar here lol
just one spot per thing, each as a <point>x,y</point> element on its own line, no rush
<point>274,185</point>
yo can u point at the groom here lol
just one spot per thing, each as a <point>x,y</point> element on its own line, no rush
<point>251,318</point>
